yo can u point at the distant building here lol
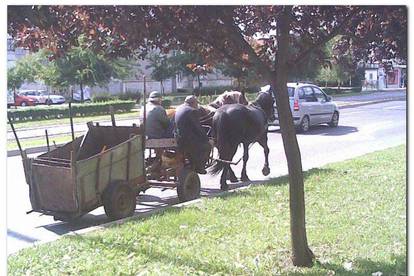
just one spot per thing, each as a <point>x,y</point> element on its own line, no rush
<point>377,77</point>
<point>134,84</point>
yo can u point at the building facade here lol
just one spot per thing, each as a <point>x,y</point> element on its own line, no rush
<point>377,77</point>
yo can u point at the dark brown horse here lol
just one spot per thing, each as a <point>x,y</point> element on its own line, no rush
<point>236,124</point>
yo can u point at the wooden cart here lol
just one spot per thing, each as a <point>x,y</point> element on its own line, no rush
<point>104,167</point>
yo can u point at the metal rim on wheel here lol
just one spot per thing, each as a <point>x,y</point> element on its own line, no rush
<point>305,124</point>
<point>188,186</point>
<point>23,104</point>
<point>335,119</point>
<point>119,200</point>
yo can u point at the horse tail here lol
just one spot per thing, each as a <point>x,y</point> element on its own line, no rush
<point>216,168</point>
<point>220,123</point>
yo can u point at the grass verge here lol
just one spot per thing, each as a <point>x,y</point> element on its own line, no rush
<point>356,224</point>
<point>39,142</point>
<point>76,120</point>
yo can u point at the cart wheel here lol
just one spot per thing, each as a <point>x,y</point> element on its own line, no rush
<point>119,200</point>
<point>188,186</point>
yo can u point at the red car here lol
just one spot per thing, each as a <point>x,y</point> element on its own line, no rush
<point>20,100</point>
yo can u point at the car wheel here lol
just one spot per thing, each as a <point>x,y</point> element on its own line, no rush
<point>23,104</point>
<point>304,125</point>
<point>335,119</point>
<point>48,102</point>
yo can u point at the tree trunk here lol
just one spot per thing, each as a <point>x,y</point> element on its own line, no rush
<point>301,254</point>
<point>199,84</point>
<point>81,89</point>
<point>162,88</point>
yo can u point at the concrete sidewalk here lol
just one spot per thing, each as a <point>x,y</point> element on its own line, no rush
<point>342,101</point>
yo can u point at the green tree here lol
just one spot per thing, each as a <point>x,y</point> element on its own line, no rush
<point>162,68</point>
<point>25,69</point>
<point>82,66</point>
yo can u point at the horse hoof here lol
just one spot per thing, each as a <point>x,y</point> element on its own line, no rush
<point>245,178</point>
<point>266,171</point>
<point>224,187</point>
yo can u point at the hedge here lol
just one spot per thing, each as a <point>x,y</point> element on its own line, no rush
<point>78,110</point>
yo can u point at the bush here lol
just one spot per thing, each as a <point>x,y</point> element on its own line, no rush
<point>183,90</point>
<point>330,90</point>
<point>78,110</point>
<point>130,96</point>
<point>213,90</point>
<point>166,103</point>
<point>103,97</point>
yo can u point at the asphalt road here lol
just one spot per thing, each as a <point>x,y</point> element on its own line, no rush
<point>361,130</point>
<point>81,127</point>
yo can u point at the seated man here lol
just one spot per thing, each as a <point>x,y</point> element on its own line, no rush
<point>157,124</point>
<point>191,138</point>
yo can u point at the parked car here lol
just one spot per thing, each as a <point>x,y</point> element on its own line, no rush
<point>20,100</point>
<point>86,95</point>
<point>10,98</point>
<point>43,97</point>
<point>310,106</point>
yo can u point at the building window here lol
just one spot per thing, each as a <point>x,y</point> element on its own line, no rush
<point>371,76</point>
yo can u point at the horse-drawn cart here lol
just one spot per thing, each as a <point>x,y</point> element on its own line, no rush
<point>104,167</point>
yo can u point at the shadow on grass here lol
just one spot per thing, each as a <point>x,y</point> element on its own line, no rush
<point>154,255</point>
<point>362,267</point>
<point>150,203</point>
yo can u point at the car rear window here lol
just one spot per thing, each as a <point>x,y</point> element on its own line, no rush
<point>291,91</point>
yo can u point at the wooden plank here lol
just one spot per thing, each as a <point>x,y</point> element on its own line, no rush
<point>161,143</point>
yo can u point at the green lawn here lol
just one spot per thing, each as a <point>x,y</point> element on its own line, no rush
<point>356,224</point>
<point>39,142</point>
<point>76,120</point>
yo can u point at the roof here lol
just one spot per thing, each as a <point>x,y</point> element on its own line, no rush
<point>289,84</point>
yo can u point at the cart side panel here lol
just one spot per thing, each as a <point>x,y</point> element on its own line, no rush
<point>86,179</point>
<point>119,160</point>
<point>55,187</point>
<point>97,172</point>
<point>136,159</point>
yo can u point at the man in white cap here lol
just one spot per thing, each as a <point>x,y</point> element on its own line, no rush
<point>191,138</point>
<point>157,124</point>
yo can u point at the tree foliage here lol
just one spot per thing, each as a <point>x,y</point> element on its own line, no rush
<point>25,69</point>
<point>259,37</point>
<point>162,67</point>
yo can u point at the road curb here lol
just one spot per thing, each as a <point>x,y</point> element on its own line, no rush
<point>344,106</point>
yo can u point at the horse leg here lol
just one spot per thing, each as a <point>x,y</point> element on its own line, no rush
<point>244,176</point>
<point>226,167</point>
<point>231,176</point>
<point>263,143</point>
<point>223,184</point>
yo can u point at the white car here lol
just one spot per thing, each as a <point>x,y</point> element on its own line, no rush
<point>310,106</point>
<point>43,97</point>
